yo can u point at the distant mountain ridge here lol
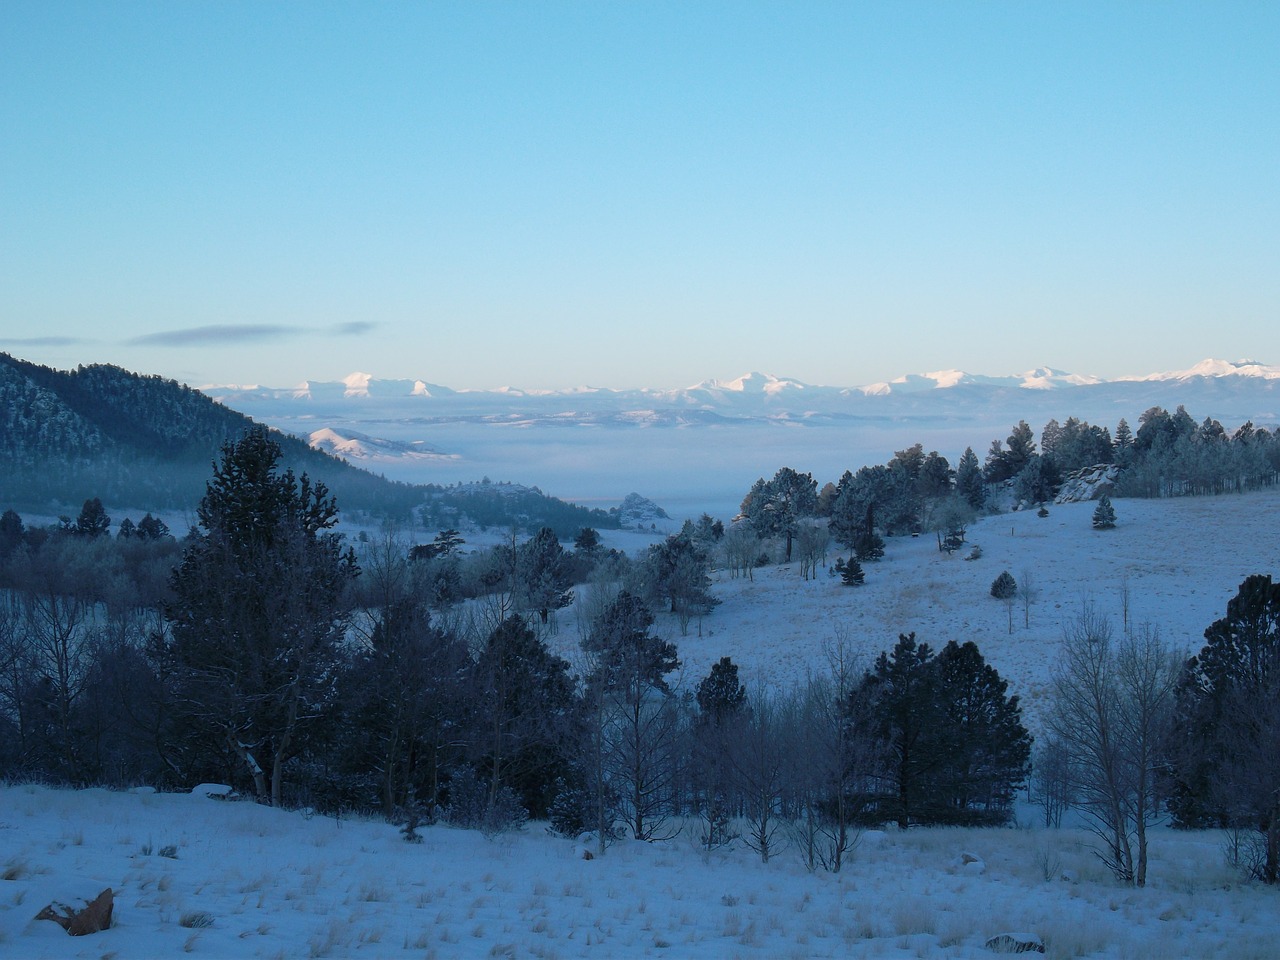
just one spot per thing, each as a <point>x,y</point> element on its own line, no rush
<point>714,393</point>
<point>597,441</point>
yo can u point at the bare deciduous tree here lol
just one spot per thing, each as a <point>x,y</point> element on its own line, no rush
<point>1112,707</point>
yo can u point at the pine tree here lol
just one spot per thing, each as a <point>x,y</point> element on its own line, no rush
<point>969,483</point>
<point>1104,516</point>
<point>720,696</point>
<point>1227,732</point>
<point>851,573</point>
<point>989,749</point>
<point>1022,447</point>
<point>1004,586</point>
<point>1124,436</point>
<point>93,520</point>
<point>258,611</point>
<point>953,742</point>
<point>525,696</point>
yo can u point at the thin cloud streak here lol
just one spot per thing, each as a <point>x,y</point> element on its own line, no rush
<point>231,334</point>
<point>217,333</point>
<point>42,341</point>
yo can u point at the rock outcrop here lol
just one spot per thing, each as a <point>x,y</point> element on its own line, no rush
<point>1088,483</point>
<point>94,917</point>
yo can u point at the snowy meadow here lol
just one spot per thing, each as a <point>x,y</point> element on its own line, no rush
<point>213,878</point>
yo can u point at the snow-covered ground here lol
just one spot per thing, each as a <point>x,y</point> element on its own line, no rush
<point>1182,561</point>
<point>214,879</point>
<point>248,881</point>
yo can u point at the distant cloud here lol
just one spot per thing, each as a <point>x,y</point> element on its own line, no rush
<point>217,333</point>
<point>233,333</point>
<point>41,341</point>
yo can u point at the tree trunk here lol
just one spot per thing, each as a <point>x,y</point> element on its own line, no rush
<point>255,768</point>
<point>1271,872</point>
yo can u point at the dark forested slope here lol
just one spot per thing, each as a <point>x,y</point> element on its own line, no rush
<point>144,441</point>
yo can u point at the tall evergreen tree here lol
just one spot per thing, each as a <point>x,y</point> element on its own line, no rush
<point>969,482</point>
<point>907,717</point>
<point>989,749</point>
<point>720,695</point>
<point>956,747</point>
<point>1227,738</point>
<point>93,520</point>
<point>259,608</point>
<point>542,577</point>
<point>775,508</point>
<point>526,715</point>
<point>1022,447</point>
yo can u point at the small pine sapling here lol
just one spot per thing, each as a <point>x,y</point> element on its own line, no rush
<point>851,573</point>
<point>1104,517</point>
<point>1004,586</point>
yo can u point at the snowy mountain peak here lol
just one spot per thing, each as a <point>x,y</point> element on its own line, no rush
<point>1219,368</point>
<point>357,384</point>
<point>751,383</point>
<point>1047,378</point>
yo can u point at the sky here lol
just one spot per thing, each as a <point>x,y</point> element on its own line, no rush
<point>638,194</point>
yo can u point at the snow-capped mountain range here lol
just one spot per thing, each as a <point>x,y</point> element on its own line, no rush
<point>596,443</point>
<point>715,393</point>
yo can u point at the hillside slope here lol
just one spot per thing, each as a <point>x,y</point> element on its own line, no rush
<point>1181,559</point>
<point>101,431</point>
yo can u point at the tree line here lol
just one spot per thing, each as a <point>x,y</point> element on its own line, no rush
<point>917,492</point>
<point>271,657</point>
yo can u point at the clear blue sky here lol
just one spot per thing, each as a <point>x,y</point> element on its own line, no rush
<point>626,194</point>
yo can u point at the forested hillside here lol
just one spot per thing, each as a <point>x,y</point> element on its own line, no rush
<point>103,432</point>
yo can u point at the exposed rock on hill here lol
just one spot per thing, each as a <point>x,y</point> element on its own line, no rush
<point>1089,483</point>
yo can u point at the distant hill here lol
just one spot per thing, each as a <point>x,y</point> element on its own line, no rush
<point>144,441</point>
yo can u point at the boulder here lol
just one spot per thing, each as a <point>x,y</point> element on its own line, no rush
<point>214,791</point>
<point>969,863</point>
<point>94,917</point>
<point>1089,483</point>
<point>1015,943</point>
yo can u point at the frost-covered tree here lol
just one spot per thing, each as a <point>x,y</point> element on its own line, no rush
<point>677,572</point>
<point>1104,515</point>
<point>776,507</point>
<point>542,575</point>
<point>1004,586</point>
<point>1111,712</point>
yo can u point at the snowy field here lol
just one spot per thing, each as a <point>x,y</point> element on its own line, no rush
<point>214,879</point>
<point>207,878</point>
